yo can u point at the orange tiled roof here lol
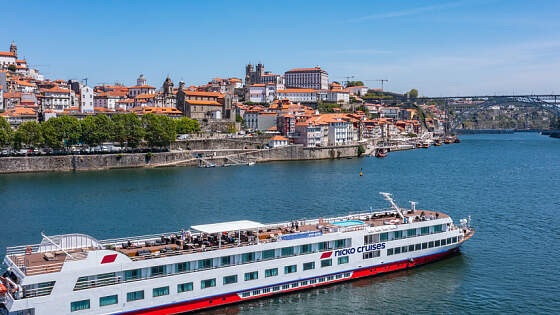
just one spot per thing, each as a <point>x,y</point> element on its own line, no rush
<point>7,54</point>
<point>55,89</point>
<point>296,91</point>
<point>279,138</point>
<point>193,102</point>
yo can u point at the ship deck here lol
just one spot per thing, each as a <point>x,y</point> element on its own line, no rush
<point>171,244</point>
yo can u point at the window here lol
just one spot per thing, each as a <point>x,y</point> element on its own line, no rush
<point>245,294</point>
<point>430,244</point>
<point>276,288</point>
<point>230,279</point>
<point>134,296</point>
<point>455,239</point>
<point>326,263</point>
<point>324,246</point>
<point>184,287</point>
<point>285,286</point>
<point>309,266</point>
<point>389,252</point>
<point>424,245</point>
<point>404,249</point>
<point>425,230</point>
<point>205,264</point>
<point>449,240</point>
<point>371,239</point>
<point>411,232</point>
<point>208,283</point>
<point>437,228</point>
<point>132,274</point>
<point>268,254</point>
<point>247,257</point>
<point>287,251</point>
<point>322,279</point>
<point>108,300</point>
<point>290,269</point>
<point>251,276</point>
<point>271,272</point>
<point>437,243</point>
<point>397,250</point>
<point>304,249</point>
<point>182,267</point>
<point>339,243</point>
<point>443,242</point>
<point>160,291</point>
<point>372,254</point>
<point>418,247</point>
<point>342,260</point>
<point>410,248</point>
<point>397,235</point>
<point>383,237</point>
<point>226,260</point>
<point>158,271</point>
<point>295,285</point>
<point>79,305</point>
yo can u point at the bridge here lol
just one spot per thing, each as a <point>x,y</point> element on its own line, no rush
<point>466,106</point>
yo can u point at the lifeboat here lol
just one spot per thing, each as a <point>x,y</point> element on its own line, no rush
<point>380,154</point>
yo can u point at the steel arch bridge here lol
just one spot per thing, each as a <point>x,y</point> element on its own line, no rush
<point>548,102</point>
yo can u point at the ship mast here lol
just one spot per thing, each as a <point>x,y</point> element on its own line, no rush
<point>393,204</point>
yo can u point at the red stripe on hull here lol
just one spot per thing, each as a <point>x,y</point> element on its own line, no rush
<point>230,298</point>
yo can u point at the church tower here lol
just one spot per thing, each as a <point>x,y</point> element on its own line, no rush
<point>13,48</point>
<point>141,80</point>
<point>168,86</point>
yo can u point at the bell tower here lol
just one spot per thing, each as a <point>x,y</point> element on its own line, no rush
<point>13,48</point>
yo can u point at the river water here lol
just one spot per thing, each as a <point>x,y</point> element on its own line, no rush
<point>509,184</point>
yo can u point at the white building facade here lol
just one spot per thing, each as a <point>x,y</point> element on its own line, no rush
<point>307,78</point>
<point>86,99</point>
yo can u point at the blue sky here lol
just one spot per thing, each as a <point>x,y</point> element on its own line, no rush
<point>439,47</point>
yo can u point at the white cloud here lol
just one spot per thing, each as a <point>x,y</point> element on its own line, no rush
<point>413,11</point>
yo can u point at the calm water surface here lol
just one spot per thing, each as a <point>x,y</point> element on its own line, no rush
<point>507,183</point>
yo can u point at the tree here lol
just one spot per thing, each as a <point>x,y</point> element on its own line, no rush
<point>5,132</point>
<point>354,83</point>
<point>97,129</point>
<point>413,93</point>
<point>12,68</point>
<point>160,130</point>
<point>128,130</point>
<point>29,134</point>
<point>186,125</point>
<point>61,132</point>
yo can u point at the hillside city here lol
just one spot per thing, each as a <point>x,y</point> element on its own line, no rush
<point>301,106</point>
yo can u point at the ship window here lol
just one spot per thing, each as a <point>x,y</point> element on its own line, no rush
<point>309,266</point>
<point>184,287</point>
<point>160,291</point>
<point>383,237</point>
<point>455,239</point>
<point>437,228</point>
<point>326,263</point>
<point>276,288</point>
<point>132,274</point>
<point>134,296</point>
<point>271,272</point>
<point>247,257</point>
<point>268,254</point>
<point>449,240</point>
<point>295,285</point>
<point>425,230</point>
<point>287,251</point>
<point>343,260</point>
<point>322,279</point>
<point>371,239</point>
<point>371,254</point>
<point>312,281</point>
<point>226,260</point>
<point>267,290</point>
<point>431,244</point>
<point>339,243</point>
<point>183,267</point>
<point>443,242</point>
<point>108,300</point>
<point>424,245</point>
<point>411,232</point>
<point>397,250</point>
<point>324,246</point>
<point>410,248</point>
<point>304,249</point>
<point>404,249</point>
<point>245,294</point>
<point>290,269</point>
<point>79,305</point>
<point>208,283</point>
<point>437,243</point>
<point>158,270</point>
<point>347,274</point>
<point>254,275</point>
<point>417,246</point>
<point>205,264</point>
<point>338,276</point>
<point>285,286</point>
<point>230,279</point>
<point>256,292</point>
<point>389,252</point>
<point>397,235</point>
<point>329,278</point>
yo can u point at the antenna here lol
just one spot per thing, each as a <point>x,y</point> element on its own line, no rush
<point>413,205</point>
<point>393,204</point>
<point>380,80</point>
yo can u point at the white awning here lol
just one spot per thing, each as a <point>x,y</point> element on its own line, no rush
<point>227,226</point>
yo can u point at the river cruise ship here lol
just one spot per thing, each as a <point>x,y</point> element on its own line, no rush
<point>217,264</point>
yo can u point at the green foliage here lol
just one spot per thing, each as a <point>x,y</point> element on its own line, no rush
<point>413,93</point>
<point>354,83</point>
<point>239,119</point>
<point>128,130</point>
<point>29,134</point>
<point>231,128</point>
<point>160,130</point>
<point>185,125</point>
<point>361,150</point>
<point>12,68</point>
<point>5,132</point>
<point>412,135</point>
<point>327,107</point>
<point>363,109</point>
<point>97,129</point>
<point>60,132</point>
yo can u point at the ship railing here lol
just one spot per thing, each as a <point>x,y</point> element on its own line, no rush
<point>21,249</point>
<point>140,238</point>
<point>41,269</point>
<point>87,284</point>
<point>192,251</point>
<point>29,293</point>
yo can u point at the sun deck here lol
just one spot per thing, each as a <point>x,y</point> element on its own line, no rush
<point>45,259</point>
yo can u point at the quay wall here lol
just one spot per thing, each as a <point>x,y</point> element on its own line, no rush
<point>185,158</point>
